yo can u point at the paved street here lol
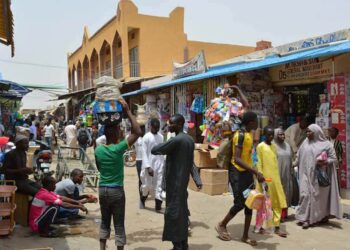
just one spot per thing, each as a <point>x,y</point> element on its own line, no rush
<point>144,228</point>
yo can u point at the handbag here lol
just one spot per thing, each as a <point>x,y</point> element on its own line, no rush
<point>322,177</point>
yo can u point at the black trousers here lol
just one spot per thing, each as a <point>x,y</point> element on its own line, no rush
<point>47,218</point>
<point>27,187</point>
<point>239,182</point>
<point>183,245</point>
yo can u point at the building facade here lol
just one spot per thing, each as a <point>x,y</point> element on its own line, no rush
<point>132,45</point>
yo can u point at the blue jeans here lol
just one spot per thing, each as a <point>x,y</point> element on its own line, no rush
<point>67,212</point>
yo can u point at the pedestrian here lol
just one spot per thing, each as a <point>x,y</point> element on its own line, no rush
<point>179,161</point>
<point>241,176</point>
<point>49,133</point>
<point>15,167</point>
<point>139,152</point>
<point>39,132</point>
<point>72,188</point>
<point>296,133</point>
<point>45,207</point>
<point>2,129</point>
<point>33,130</point>
<point>268,166</point>
<point>318,200</point>
<point>84,140</point>
<point>94,134</point>
<point>333,133</point>
<point>152,165</point>
<point>285,166</point>
<point>109,161</point>
<point>71,134</point>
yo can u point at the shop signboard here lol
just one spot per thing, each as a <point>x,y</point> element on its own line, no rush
<point>347,148</point>
<point>195,66</point>
<point>299,70</point>
<point>312,42</point>
<point>337,92</point>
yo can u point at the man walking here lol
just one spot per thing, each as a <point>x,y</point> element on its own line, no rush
<point>152,165</point>
<point>179,161</point>
<point>109,161</point>
<point>241,174</point>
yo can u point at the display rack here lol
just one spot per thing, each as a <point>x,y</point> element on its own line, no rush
<point>7,207</point>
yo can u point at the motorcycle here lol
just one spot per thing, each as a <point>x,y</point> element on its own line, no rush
<point>42,161</point>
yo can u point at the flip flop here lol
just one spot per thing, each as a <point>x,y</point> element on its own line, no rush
<point>223,234</point>
<point>281,234</point>
<point>249,241</point>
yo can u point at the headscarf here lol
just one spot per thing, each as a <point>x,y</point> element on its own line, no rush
<point>319,143</point>
<point>318,133</point>
<point>275,138</point>
<point>19,138</point>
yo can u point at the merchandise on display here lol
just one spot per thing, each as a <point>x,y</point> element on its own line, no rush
<point>221,109</point>
<point>108,88</point>
<point>107,108</point>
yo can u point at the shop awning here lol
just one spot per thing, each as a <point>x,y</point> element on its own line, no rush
<point>11,89</point>
<point>267,62</point>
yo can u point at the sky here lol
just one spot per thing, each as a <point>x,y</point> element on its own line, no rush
<point>45,31</point>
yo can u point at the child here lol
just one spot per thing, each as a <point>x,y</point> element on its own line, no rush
<point>268,165</point>
<point>45,207</point>
<point>333,134</point>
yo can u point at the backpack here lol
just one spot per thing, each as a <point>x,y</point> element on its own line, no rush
<point>83,137</point>
<point>224,156</point>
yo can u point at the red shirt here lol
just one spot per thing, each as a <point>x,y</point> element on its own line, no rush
<point>41,201</point>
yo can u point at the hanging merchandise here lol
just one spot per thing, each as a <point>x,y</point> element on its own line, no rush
<point>221,109</point>
<point>197,104</point>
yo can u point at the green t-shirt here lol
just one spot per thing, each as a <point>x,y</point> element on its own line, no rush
<point>109,159</point>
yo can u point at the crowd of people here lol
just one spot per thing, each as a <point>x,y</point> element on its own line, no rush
<point>296,167</point>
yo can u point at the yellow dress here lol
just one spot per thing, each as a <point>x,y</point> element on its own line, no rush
<point>268,166</point>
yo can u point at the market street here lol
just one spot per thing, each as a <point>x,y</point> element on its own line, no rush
<point>144,228</point>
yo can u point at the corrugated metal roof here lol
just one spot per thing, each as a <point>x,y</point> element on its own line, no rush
<point>267,62</point>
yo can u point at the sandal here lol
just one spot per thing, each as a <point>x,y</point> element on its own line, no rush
<point>281,234</point>
<point>249,241</point>
<point>305,225</point>
<point>223,234</point>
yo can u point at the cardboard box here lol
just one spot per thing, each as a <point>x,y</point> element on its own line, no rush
<point>214,189</point>
<point>202,159</point>
<point>214,176</point>
<point>201,146</point>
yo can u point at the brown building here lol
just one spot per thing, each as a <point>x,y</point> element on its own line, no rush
<point>133,46</point>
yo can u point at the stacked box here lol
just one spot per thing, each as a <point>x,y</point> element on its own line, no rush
<point>203,156</point>
<point>215,181</point>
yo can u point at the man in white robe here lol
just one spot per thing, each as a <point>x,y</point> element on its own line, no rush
<point>152,165</point>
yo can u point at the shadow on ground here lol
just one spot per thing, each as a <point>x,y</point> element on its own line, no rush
<point>236,231</point>
<point>145,235</point>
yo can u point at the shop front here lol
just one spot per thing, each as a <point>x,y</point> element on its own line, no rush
<point>318,87</point>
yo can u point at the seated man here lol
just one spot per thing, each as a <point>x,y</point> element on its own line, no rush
<point>15,167</point>
<point>70,188</point>
<point>45,207</point>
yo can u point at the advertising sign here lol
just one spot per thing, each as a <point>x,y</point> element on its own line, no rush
<point>337,92</point>
<point>195,66</point>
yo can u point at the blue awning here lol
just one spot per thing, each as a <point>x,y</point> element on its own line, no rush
<point>11,89</point>
<point>267,62</point>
